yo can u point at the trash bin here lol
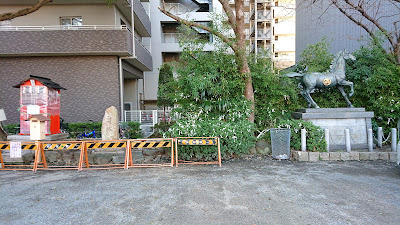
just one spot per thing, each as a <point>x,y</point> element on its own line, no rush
<point>280,143</point>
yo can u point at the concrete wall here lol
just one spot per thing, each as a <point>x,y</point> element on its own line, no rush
<point>92,84</point>
<point>108,42</point>
<point>50,15</point>
<point>131,92</point>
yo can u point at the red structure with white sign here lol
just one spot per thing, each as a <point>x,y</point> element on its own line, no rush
<point>39,96</point>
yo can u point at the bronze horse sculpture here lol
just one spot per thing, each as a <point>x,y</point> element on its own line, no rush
<point>334,77</point>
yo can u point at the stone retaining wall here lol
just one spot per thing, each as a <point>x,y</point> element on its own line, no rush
<point>343,156</point>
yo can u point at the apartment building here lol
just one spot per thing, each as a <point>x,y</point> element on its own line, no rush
<point>96,51</point>
<point>272,30</point>
<point>164,41</point>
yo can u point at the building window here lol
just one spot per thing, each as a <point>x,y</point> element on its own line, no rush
<point>276,55</point>
<point>276,21</point>
<point>276,3</point>
<point>276,38</point>
<point>71,21</point>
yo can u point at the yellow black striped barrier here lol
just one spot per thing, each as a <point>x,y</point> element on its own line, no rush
<point>64,146</point>
<point>197,142</point>
<point>151,144</point>
<point>23,147</point>
<point>106,145</point>
<point>190,141</point>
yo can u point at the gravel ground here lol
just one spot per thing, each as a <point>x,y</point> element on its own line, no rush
<point>243,191</point>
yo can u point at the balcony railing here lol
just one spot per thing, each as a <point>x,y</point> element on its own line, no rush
<point>176,8</point>
<point>63,27</point>
<point>170,37</point>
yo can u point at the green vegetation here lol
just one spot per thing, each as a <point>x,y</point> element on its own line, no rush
<point>165,88</point>
<point>376,82</point>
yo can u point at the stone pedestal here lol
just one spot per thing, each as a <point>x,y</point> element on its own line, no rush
<point>357,120</point>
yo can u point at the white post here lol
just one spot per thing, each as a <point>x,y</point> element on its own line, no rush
<point>370,141</point>
<point>303,140</point>
<point>140,116</point>
<point>347,137</point>
<point>380,137</point>
<point>155,117</point>
<point>327,139</point>
<point>394,139</point>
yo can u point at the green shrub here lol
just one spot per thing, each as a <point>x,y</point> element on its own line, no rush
<point>275,97</point>
<point>377,84</point>
<point>236,137</point>
<point>78,128</point>
<point>11,128</point>
<point>134,130</point>
<point>315,135</point>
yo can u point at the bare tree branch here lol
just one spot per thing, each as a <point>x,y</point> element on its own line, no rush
<point>360,9</point>
<point>194,24</point>
<point>369,31</point>
<point>23,12</point>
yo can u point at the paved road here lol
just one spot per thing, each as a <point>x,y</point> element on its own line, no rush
<point>245,191</point>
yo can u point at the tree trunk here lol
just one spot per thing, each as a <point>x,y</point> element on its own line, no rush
<point>241,55</point>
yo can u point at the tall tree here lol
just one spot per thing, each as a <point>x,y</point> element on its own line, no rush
<point>371,16</point>
<point>237,44</point>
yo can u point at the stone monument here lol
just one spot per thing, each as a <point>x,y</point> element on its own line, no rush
<point>357,120</point>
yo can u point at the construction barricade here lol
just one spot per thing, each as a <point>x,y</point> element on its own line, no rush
<point>140,144</point>
<point>207,141</point>
<point>72,147</point>
<point>100,145</point>
<point>15,150</point>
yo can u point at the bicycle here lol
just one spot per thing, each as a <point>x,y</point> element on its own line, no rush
<point>88,135</point>
<point>124,130</point>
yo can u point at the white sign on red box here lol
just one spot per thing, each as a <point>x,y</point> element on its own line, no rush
<point>15,150</point>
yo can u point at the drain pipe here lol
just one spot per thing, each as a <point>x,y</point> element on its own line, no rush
<point>121,89</point>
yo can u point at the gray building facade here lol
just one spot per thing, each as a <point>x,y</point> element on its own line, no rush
<point>92,49</point>
<point>318,19</point>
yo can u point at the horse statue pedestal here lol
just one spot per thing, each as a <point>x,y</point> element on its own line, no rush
<point>357,120</point>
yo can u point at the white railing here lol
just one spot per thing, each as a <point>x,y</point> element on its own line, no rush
<point>170,37</point>
<point>63,27</point>
<point>175,8</point>
<point>148,117</point>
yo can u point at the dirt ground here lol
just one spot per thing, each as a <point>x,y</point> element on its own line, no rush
<point>253,190</point>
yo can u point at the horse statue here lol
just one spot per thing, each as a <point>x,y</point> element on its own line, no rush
<point>334,77</point>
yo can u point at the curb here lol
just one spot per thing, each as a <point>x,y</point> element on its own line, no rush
<point>343,156</point>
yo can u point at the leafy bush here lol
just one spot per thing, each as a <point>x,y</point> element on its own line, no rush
<point>134,129</point>
<point>210,102</point>
<point>377,85</point>
<point>275,97</point>
<point>78,128</point>
<point>165,89</point>
<point>12,128</point>
<point>315,135</point>
<point>236,137</point>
